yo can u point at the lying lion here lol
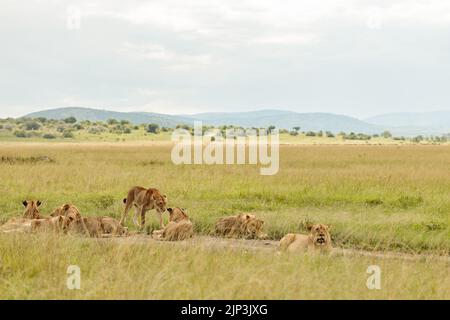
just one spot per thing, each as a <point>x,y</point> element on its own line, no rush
<point>319,240</point>
<point>16,225</point>
<point>53,224</point>
<point>21,225</point>
<point>179,227</point>
<point>91,226</point>
<point>241,226</point>
<point>31,209</point>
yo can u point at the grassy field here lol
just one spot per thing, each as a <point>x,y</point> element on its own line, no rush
<point>385,197</point>
<point>139,271</point>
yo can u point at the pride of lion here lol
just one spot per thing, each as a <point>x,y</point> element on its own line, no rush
<point>68,219</point>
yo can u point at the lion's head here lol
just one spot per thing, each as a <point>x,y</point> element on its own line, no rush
<point>31,209</point>
<point>67,210</point>
<point>177,214</point>
<point>320,234</point>
<point>159,200</point>
<point>252,226</point>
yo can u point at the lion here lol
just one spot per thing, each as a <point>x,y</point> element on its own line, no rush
<point>179,226</point>
<point>143,200</point>
<point>241,226</point>
<point>319,240</point>
<point>90,226</point>
<point>112,226</point>
<point>31,209</point>
<point>67,210</point>
<point>55,224</point>
<point>16,225</point>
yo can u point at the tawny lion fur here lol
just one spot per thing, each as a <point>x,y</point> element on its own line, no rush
<point>31,210</point>
<point>92,226</point>
<point>179,227</point>
<point>241,226</point>
<point>55,224</point>
<point>144,200</point>
<point>319,240</point>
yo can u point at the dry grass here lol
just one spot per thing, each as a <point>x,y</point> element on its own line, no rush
<point>140,271</point>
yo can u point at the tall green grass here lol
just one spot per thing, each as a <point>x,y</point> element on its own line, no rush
<point>377,197</point>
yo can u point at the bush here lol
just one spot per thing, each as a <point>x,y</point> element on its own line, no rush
<point>70,120</point>
<point>49,136</point>
<point>68,135</point>
<point>153,128</point>
<point>32,125</point>
<point>20,134</point>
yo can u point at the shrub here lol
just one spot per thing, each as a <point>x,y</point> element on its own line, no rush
<point>49,136</point>
<point>32,125</point>
<point>153,128</point>
<point>70,120</point>
<point>20,134</point>
<point>68,135</point>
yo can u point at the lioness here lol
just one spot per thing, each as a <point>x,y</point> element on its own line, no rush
<point>143,200</point>
<point>242,225</point>
<point>319,239</point>
<point>179,227</point>
<point>54,224</point>
<point>31,210</point>
<point>67,210</point>
<point>112,226</point>
<point>90,226</point>
<point>15,225</point>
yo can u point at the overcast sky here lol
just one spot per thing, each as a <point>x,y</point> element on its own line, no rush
<point>354,57</point>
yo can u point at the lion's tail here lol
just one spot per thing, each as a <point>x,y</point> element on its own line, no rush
<point>286,241</point>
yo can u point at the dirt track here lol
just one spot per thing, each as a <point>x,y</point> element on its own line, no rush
<point>209,242</point>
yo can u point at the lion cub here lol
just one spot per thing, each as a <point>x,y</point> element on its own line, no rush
<point>319,239</point>
<point>179,227</point>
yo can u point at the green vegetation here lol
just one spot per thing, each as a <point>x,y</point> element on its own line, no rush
<point>378,198</point>
<point>70,129</point>
<point>35,267</point>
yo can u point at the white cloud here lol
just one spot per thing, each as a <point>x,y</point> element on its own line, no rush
<point>347,56</point>
<point>171,59</point>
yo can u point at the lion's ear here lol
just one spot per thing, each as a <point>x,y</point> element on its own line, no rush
<point>309,226</point>
<point>170,210</point>
<point>165,197</point>
<point>66,207</point>
<point>25,203</point>
<point>38,203</point>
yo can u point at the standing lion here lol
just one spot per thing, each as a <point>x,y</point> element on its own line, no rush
<point>143,200</point>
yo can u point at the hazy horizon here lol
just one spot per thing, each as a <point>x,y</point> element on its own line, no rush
<point>193,113</point>
<point>350,57</point>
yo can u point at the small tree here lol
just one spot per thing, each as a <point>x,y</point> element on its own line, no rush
<point>153,128</point>
<point>386,134</point>
<point>70,120</point>
<point>32,125</point>
<point>296,129</point>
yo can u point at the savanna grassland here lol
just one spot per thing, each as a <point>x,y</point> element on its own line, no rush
<point>377,197</point>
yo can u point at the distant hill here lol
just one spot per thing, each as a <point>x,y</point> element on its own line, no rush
<point>264,118</point>
<point>82,114</point>
<point>433,122</point>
